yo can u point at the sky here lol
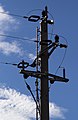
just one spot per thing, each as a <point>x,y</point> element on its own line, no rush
<point>16,101</point>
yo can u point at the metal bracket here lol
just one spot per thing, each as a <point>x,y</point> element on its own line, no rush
<point>51,77</point>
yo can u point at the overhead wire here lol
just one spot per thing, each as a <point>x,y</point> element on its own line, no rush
<point>15,36</point>
<point>7,63</point>
<point>20,38</point>
<point>7,13</point>
<point>33,11</point>
<point>61,61</point>
<point>29,88</point>
<point>40,53</point>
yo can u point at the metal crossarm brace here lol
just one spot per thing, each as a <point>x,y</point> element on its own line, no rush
<point>51,77</point>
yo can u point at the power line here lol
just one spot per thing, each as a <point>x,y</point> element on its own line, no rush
<point>34,11</point>
<point>32,18</point>
<point>9,36</point>
<point>24,16</point>
<point>7,63</point>
<point>21,16</point>
<point>61,61</point>
<point>29,88</point>
<point>13,15</point>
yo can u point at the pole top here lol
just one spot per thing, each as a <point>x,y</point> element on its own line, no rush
<point>44,12</point>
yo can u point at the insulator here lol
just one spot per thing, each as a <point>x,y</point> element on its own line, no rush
<point>63,46</point>
<point>63,72</point>
<point>56,38</point>
<point>33,18</point>
<point>43,13</point>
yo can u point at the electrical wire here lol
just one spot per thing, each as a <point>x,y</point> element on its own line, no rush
<point>13,14</point>
<point>40,53</point>
<point>22,17</point>
<point>29,88</point>
<point>15,36</point>
<point>33,11</point>
<point>14,64</point>
<point>61,61</point>
<point>9,36</point>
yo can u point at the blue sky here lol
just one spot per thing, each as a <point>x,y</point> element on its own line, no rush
<point>63,96</point>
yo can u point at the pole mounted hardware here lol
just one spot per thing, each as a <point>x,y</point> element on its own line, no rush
<point>23,65</point>
<point>33,18</point>
<point>55,45</point>
<point>51,77</point>
<point>45,42</point>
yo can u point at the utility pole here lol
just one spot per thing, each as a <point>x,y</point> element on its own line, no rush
<point>46,49</point>
<point>44,68</point>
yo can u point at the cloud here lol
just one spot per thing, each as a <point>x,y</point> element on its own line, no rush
<point>8,23</point>
<point>56,111</point>
<point>15,106</point>
<point>8,48</point>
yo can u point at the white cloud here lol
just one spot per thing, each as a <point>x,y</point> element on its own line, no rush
<point>15,106</point>
<point>56,111</point>
<point>8,23</point>
<point>7,48</point>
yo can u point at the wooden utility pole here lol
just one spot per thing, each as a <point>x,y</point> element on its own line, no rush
<point>47,48</point>
<point>44,68</point>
